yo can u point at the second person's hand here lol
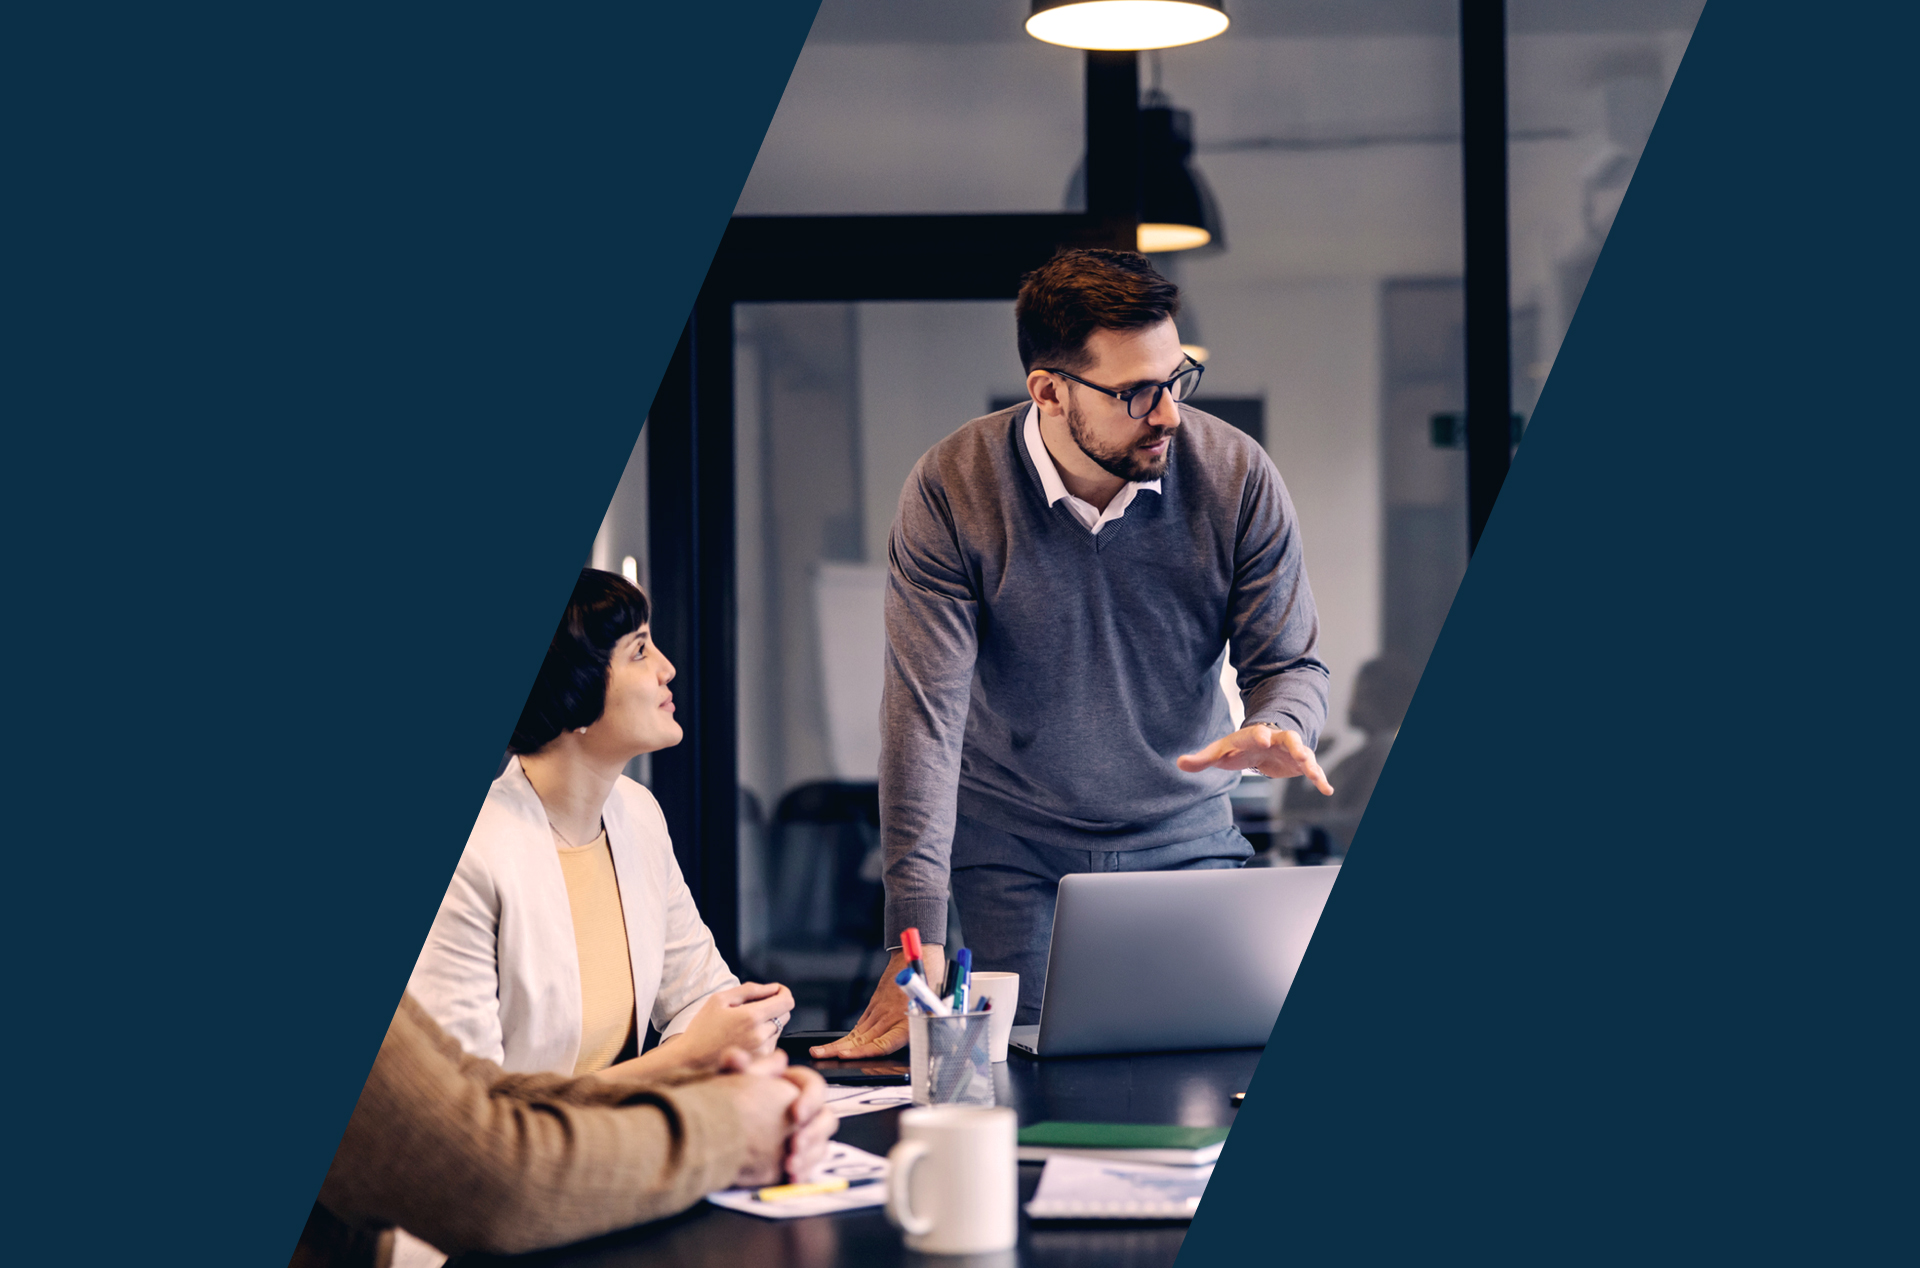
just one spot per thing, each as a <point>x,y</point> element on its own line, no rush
<point>747,1016</point>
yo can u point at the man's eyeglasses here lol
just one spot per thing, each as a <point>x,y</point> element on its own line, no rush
<point>1143,400</point>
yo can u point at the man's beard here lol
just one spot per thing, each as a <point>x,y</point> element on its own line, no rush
<point>1125,464</point>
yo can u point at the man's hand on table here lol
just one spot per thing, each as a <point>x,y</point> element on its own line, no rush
<point>1269,750</point>
<point>883,1027</point>
<point>784,1116</point>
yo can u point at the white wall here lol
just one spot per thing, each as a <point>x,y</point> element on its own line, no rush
<point>925,368</point>
<point>1312,349</point>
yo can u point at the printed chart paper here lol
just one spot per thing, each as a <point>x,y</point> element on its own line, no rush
<point>1088,1189</point>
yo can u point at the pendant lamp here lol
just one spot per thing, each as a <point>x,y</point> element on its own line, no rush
<point>1177,210</point>
<point>1126,24</point>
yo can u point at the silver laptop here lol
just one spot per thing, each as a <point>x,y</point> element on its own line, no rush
<point>1158,961</point>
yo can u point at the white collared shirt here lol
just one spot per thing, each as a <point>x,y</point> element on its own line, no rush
<point>1092,520</point>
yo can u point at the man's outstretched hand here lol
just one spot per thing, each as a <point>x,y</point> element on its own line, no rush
<point>1281,754</point>
<point>883,1027</point>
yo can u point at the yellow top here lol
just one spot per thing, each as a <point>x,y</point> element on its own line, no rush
<point>600,937</point>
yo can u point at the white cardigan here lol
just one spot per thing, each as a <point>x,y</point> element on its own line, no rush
<point>500,970</point>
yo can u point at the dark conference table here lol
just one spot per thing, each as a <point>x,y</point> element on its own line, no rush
<point>1190,1088</point>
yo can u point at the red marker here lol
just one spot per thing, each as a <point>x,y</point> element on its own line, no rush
<point>910,943</point>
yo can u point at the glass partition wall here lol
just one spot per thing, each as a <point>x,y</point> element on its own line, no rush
<point>833,404</point>
<point>1585,82</point>
<point>1332,313</point>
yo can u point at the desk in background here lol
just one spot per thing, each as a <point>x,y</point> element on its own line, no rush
<point>1191,1088</point>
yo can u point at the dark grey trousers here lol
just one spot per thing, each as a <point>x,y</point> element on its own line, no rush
<point>1005,887</point>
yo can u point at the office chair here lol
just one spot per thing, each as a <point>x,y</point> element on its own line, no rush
<point>825,899</point>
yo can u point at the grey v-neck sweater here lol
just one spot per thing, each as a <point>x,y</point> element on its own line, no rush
<point>1041,679</point>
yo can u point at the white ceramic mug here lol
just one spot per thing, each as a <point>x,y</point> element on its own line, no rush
<point>1004,990</point>
<point>952,1183</point>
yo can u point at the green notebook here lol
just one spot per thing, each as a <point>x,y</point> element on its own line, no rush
<point>1127,1142</point>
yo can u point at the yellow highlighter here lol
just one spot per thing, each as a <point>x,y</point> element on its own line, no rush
<point>787,1192</point>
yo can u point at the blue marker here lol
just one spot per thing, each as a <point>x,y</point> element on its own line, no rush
<point>920,993</point>
<point>964,958</point>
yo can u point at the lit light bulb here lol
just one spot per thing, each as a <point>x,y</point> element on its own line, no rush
<point>1154,238</point>
<point>1127,24</point>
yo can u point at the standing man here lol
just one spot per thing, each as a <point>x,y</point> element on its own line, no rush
<point>1064,578</point>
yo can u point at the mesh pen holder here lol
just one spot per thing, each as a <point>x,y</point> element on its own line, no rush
<point>949,1059</point>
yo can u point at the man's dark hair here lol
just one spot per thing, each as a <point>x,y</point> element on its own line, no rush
<point>1078,292</point>
<point>571,688</point>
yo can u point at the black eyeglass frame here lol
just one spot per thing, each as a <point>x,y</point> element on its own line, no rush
<point>1130,395</point>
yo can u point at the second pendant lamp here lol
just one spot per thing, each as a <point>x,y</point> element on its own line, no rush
<point>1177,210</point>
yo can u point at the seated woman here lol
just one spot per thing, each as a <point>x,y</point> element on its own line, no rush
<point>568,925</point>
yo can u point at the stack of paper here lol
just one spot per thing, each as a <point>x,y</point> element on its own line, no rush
<point>1089,1189</point>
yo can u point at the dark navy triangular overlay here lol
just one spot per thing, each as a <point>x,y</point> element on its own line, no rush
<point>331,331</point>
<point>1620,966</point>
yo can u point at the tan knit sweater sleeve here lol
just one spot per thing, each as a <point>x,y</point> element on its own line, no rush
<point>469,1158</point>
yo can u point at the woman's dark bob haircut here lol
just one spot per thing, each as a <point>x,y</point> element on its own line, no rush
<point>571,689</point>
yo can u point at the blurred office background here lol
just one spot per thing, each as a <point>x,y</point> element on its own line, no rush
<point>1330,309</point>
